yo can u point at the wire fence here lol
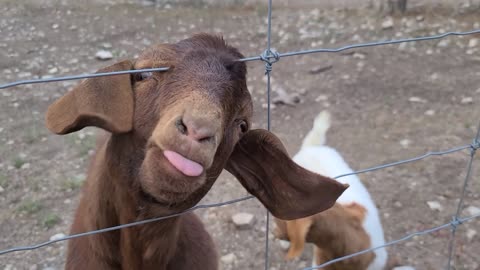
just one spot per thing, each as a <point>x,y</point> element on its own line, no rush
<point>269,57</point>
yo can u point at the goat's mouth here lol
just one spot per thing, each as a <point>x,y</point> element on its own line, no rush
<point>184,165</point>
<point>168,176</point>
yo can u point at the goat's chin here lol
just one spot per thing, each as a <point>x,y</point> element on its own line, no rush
<point>161,181</point>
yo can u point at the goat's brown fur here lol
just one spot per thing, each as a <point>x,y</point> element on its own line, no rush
<point>200,109</point>
<point>335,232</point>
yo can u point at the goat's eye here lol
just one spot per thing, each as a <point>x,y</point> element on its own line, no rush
<point>243,126</point>
<point>142,76</point>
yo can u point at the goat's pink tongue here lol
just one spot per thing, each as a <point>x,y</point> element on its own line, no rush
<point>186,166</point>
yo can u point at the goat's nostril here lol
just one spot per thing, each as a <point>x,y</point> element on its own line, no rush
<point>200,129</point>
<point>181,126</point>
<point>206,139</point>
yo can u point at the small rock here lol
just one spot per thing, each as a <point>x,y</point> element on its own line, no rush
<point>228,259</point>
<point>302,92</point>
<point>417,100</point>
<point>24,74</point>
<point>265,106</point>
<point>419,18</point>
<point>284,245</point>
<point>1,189</point>
<point>443,43</point>
<point>472,210</point>
<point>403,268</point>
<point>25,166</point>
<point>104,55</point>
<point>321,98</point>
<point>53,70</point>
<point>33,267</point>
<point>147,3</point>
<point>67,201</point>
<point>285,98</point>
<point>402,46</point>
<point>388,23</point>
<point>72,61</point>
<point>473,42</point>
<point>430,112</point>
<point>57,236</point>
<point>320,69</point>
<point>434,76</point>
<point>106,45</point>
<point>434,205</point>
<point>54,26</point>
<point>471,234</point>
<point>243,220</point>
<point>405,143</point>
<point>398,204</point>
<point>466,100</point>
<point>360,65</point>
<point>8,267</point>
<point>359,55</point>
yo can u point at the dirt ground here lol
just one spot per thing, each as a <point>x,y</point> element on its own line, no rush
<point>388,103</point>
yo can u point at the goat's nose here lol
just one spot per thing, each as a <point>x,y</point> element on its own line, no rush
<point>197,128</point>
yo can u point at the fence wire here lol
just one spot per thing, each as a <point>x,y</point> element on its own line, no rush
<point>273,55</point>
<point>268,69</point>
<point>405,238</point>
<point>371,169</point>
<point>269,57</point>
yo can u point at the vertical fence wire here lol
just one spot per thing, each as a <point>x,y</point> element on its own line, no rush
<point>268,69</point>
<point>455,220</point>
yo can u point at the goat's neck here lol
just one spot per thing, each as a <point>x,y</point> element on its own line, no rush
<point>119,202</point>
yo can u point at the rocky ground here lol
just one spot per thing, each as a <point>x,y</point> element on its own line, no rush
<point>388,103</point>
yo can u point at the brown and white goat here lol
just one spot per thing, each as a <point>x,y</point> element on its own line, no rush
<point>353,224</point>
<point>171,134</point>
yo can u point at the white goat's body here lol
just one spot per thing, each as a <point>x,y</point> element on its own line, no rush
<point>317,157</point>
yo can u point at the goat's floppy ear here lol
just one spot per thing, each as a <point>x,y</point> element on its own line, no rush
<point>105,102</point>
<point>262,165</point>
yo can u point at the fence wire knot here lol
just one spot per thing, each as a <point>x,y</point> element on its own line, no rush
<point>269,56</point>
<point>455,223</point>
<point>475,145</point>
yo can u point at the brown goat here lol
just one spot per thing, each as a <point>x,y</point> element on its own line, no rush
<point>335,233</point>
<point>171,135</point>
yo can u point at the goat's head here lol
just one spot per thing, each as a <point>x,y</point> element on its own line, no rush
<point>190,123</point>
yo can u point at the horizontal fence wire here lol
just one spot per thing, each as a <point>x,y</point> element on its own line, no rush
<point>405,238</point>
<point>439,153</point>
<point>32,247</point>
<point>254,58</point>
<point>109,229</point>
<point>85,76</point>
